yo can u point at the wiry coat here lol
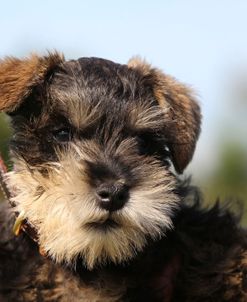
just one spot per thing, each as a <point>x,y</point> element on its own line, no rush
<point>92,147</point>
<point>203,259</point>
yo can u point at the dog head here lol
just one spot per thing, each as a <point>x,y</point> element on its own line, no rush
<point>92,145</point>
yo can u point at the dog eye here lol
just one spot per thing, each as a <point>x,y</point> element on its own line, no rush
<point>153,147</point>
<point>147,144</point>
<point>62,135</point>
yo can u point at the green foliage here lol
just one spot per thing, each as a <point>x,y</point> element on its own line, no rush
<point>232,170</point>
<point>4,135</point>
<point>229,182</point>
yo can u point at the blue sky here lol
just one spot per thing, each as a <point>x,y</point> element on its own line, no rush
<point>198,42</point>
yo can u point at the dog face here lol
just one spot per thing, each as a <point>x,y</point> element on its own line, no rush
<point>92,145</point>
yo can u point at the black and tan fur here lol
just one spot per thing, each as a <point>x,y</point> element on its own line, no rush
<point>92,151</point>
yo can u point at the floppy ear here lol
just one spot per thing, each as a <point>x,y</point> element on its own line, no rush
<point>19,77</point>
<point>182,117</point>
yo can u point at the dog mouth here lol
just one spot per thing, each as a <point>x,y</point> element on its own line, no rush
<point>105,225</point>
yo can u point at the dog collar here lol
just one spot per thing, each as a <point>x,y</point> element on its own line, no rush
<point>21,223</point>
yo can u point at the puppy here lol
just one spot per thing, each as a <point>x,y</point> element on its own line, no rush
<point>97,148</point>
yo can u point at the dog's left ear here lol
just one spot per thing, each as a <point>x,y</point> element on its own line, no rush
<point>19,77</point>
<point>182,113</point>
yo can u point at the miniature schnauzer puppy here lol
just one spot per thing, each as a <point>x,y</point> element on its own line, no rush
<point>96,149</point>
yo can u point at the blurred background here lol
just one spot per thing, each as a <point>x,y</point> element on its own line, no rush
<point>202,43</point>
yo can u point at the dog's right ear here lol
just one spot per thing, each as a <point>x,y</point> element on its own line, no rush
<point>19,77</point>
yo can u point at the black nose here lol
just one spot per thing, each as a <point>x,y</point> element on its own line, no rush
<point>112,197</point>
